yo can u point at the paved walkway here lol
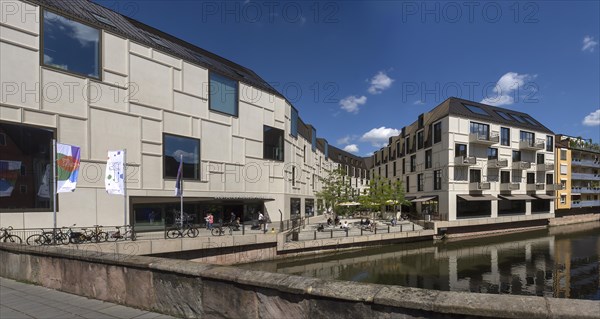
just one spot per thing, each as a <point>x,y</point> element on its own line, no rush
<point>19,300</point>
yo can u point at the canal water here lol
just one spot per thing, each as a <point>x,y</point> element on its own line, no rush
<point>561,262</point>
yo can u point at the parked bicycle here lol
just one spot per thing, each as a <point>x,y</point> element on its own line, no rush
<point>187,230</point>
<point>220,229</point>
<point>7,237</point>
<point>128,234</point>
<point>48,237</point>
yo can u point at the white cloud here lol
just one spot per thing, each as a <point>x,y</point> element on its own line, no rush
<point>418,102</point>
<point>507,87</point>
<point>379,136</point>
<point>589,44</point>
<point>351,103</point>
<point>352,148</point>
<point>84,34</point>
<point>187,157</point>
<point>380,82</point>
<point>344,140</point>
<point>593,119</point>
<point>368,154</point>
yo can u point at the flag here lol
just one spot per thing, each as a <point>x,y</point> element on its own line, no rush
<point>9,173</point>
<point>44,191</point>
<point>67,163</point>
<point>115,173</point>
<point>178,189</point>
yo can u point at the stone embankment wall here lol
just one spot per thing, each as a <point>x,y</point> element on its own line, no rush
<point>194,290</point>
<point>574,219</point>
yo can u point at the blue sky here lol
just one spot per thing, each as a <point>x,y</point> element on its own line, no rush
<point>358,71</point>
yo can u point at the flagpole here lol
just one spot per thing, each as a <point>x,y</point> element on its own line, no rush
<point>124,189</point>
<point>181,191</point>
<point>54,193</point>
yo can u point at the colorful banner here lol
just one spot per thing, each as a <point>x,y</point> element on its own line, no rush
<point>9,173</point>
<point>178,189</point>
<point>115,173</point>
<point>67,167</point>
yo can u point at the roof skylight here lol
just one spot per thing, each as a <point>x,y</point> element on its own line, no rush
<point>476,109</point>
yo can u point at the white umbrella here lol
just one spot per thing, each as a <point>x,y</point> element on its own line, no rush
<point>348,204</point>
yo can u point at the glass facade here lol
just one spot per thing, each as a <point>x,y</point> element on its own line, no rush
<point>177,148</point>
<point>25,168</point>
<point>223,93</point>
<point>309,207</point>
<point>70,45</point>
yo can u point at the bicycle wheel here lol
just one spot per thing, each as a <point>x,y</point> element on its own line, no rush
<point>129,235</point>
<point>193,232</point>
<point>13,239</point>
<point>113,236</point>
<point>101,237</point>
<point>173,233</point>
<point>36,240</point>
<point>216,232</point>
<point>230,231</point>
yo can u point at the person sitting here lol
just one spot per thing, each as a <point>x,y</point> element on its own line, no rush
<point>320,227</point>
<point>394,221</point>
<point>236,224</point>
<point>336,221</point>
<point>329,221</point>
<point>345,225</point>
<point>372,226</point>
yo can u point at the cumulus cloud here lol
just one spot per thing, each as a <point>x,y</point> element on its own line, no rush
<point>509,85</point>
<point>351,103</point>
<point>344,140</point>
<point>379,83</point>
<point>379,136</point>
<point>592,119</point>
<point>352,148</point>
<point>589,44</point>
<point>84,34</point>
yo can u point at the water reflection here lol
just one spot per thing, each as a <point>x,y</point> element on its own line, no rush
<point>559,262</point>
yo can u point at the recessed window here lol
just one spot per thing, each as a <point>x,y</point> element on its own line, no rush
<point>437,180</point>
<point>476,109</point>
<point>516,156</point>
<point>413,163</point>
<point>2,139</point>
<point>549,143</point>
<point>395,169</point>
<point>70,45</point>
<point>563,169</point>
<point>294,123</point>
<point>428,159</point>
<point>505,177</point>
<point>492,153</point>
<point>563,198</point>
<point>314,140</point>
<point>223,94</point>
<point>505,115</point>
<point>273,143</point>
<point>528,137</point>
<point>563,155</point>
<point>481,130</point>
<point>528,120</point>
<point>437,132</point>
<point>29,163</point>
<point>420,182</point>
<point>179,148</point>
<point>540,158</point>
<point>460,150</point>
<point>505,136</point>
<point>420,140</point>
<point>103,19</point>
<point>518,118</point>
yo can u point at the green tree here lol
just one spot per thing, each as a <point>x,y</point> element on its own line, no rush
<point>335,190</point>
<point>383,192</point>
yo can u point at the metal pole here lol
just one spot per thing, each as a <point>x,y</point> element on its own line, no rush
<point>124,189</point>
<point>181,192</point>
<point>54,190</point>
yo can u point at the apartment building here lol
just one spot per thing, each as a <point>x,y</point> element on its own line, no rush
<point>577,175</point>
<point>356,169</point>
<point>84,75</point>
<point>467,160</point>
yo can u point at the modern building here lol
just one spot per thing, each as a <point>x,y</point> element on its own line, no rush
<point>578,176</point>
<point>84,75</point>
<point>467,160</point>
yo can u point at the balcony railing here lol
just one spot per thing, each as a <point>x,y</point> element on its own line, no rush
<point>497,163</point>
<point>536,187</point>
<point>538,144</point>
<point>585,162</point>
<point>585,176</point>
<point>510,186</point>
<point>585,203</point>
<point>479,186</point>
<point>554,187</point>
<point>545,167</point>
<point>585,190</point>
<point>521,165</point>
<point>465,160</point>
<point>488,139</point>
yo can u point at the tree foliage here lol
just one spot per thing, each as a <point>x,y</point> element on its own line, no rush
<point>335,190</point>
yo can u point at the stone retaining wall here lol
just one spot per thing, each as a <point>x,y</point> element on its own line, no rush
<point>193,290</point>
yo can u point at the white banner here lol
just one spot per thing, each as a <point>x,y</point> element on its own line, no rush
<point>115,173</point>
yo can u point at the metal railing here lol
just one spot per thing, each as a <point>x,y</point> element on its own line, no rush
<point>74,235</point>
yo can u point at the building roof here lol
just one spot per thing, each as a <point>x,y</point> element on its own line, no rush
<point>342,157</point>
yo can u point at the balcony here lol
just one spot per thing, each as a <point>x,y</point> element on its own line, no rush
<point>479,186</point>
<point>492,138</point>
<point>536,187</point>
<point>585,162</point>
<point>554,187</point>
<point>510,186</point>
<point>465,160</point>
<point>521,165</point>
<point>545,167</point>
<point>497,163</point>
<point>537,145</point>
<point>585,203</point>
<point>585,176</point>
<point>584,190</point>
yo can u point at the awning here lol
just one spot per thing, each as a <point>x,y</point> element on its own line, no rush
<point>544,196</point>
<point>475,198</point>
<point>423,199</point>
<point>409,198</point>
<point>516,197</point>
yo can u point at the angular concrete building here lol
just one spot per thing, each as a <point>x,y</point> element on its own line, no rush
<point>465,160</point>
<point>84,75</point>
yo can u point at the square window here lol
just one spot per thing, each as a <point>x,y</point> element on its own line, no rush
<point>223,94</point>
<point>177,148</point>
<point>70,45</point>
